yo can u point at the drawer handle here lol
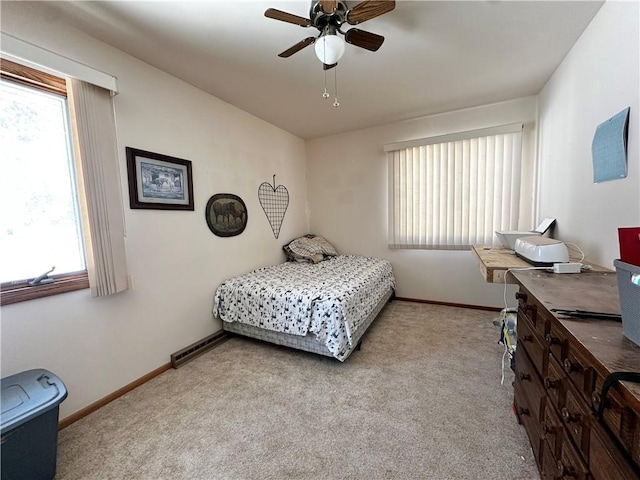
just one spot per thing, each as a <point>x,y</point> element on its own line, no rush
<point>551,340</point>
<point>564,472</point>
<point>523,411</point>
<point>525,376</point>
<point>571,417</point>
<point>550,384</point>
<point>548,429</point>
<point>569,366</point>
<point>527,338</point>
<point>521,296</point>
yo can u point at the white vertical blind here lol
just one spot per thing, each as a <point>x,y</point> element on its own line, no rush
<point>452,192</point>
<point>93,122</point>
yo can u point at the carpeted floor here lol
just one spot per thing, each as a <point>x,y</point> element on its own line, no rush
<point>421,400</point>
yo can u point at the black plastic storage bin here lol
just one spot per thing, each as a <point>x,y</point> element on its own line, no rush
<point>30,404</point>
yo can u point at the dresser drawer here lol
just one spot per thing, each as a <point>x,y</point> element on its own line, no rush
<point>555,382</point>
<point>566,465</point>
<point>579,371</point>
<point>548,463</point>
<point>532,342</point>
<point>556,342</point>
<point>570,464</point>
<point>529,308</point>
<point>530,383</point>
<point>576,415</point>
<point>606,462</point>
<point>552,428</point>
<point>525,416</point>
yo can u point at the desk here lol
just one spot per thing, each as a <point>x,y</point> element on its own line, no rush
<point>495,261</point>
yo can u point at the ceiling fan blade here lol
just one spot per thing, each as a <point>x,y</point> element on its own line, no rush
<point>297,47</point>
<point>328,67</point>
<point>329,6</point>
<point>287,17</point>
<point>362,39</point>
<point>369,9</point>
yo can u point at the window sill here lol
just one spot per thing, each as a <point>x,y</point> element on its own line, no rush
<point>62,284</point>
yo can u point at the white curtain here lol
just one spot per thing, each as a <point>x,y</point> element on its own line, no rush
<point>455,191</point>
<point>93,122</point>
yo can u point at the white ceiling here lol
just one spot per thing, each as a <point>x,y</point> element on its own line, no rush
<point>437,56</point>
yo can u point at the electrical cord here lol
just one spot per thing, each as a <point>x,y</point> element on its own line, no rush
<point>584,267</point>
<point>506,310</point>
<point>504,295</point>
<point>503,355</point>
<point>578,249</point>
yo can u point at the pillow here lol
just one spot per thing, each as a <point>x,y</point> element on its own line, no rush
<point>295,256</point>
<point>305,246</point>
<point>315,258</point>
<point>325,247</point>
<point>308,248</point>
<point>291,257</point>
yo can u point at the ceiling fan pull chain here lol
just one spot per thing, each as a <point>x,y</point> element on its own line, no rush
<point>325,95</point>
<point>336,103</point>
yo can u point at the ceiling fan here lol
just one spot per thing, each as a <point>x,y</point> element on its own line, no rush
<point>328,16</point>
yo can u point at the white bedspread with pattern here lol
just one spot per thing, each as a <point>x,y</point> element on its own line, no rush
<point>330,299</point>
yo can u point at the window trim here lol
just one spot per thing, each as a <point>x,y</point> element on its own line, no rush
<point>20,290</point>
<point>33,78</point>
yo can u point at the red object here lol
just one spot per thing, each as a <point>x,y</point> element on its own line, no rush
<point>630,245</point>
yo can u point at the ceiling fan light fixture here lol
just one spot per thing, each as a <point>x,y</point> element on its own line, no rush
<point>329,49</point>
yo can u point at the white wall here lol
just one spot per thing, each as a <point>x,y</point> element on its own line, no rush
<point>347,185</point>
<point>99,345</point>
<point>597,79</point>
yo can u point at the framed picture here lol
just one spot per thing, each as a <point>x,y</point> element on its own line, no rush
<point>158,181</point>
<point>226,215</point>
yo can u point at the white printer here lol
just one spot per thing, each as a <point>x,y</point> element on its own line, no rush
<point>541,251</point>
<point>508,239</point>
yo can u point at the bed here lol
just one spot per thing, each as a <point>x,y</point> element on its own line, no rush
<point>323,307</point>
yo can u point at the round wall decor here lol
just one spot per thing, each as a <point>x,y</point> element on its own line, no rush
<point>226,214</point>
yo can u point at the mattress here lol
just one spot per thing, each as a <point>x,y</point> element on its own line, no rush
<point>330,300</point>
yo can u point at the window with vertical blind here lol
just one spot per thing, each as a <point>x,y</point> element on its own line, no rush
<point>454,191</point>
<point>40,226</point>
<point>58,209</point>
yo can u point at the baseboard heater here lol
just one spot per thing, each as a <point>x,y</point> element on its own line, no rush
<point>198,348</point>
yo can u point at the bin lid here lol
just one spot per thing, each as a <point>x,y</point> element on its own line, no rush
<point>28,394</point>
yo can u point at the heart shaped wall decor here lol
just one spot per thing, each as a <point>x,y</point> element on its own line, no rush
<point>274,201</point>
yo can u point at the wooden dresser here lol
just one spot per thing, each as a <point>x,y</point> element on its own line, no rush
<point>561,365</point>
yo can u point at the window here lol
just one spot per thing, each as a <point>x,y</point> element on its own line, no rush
<point>455,191</point>
<point>40,225</point>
